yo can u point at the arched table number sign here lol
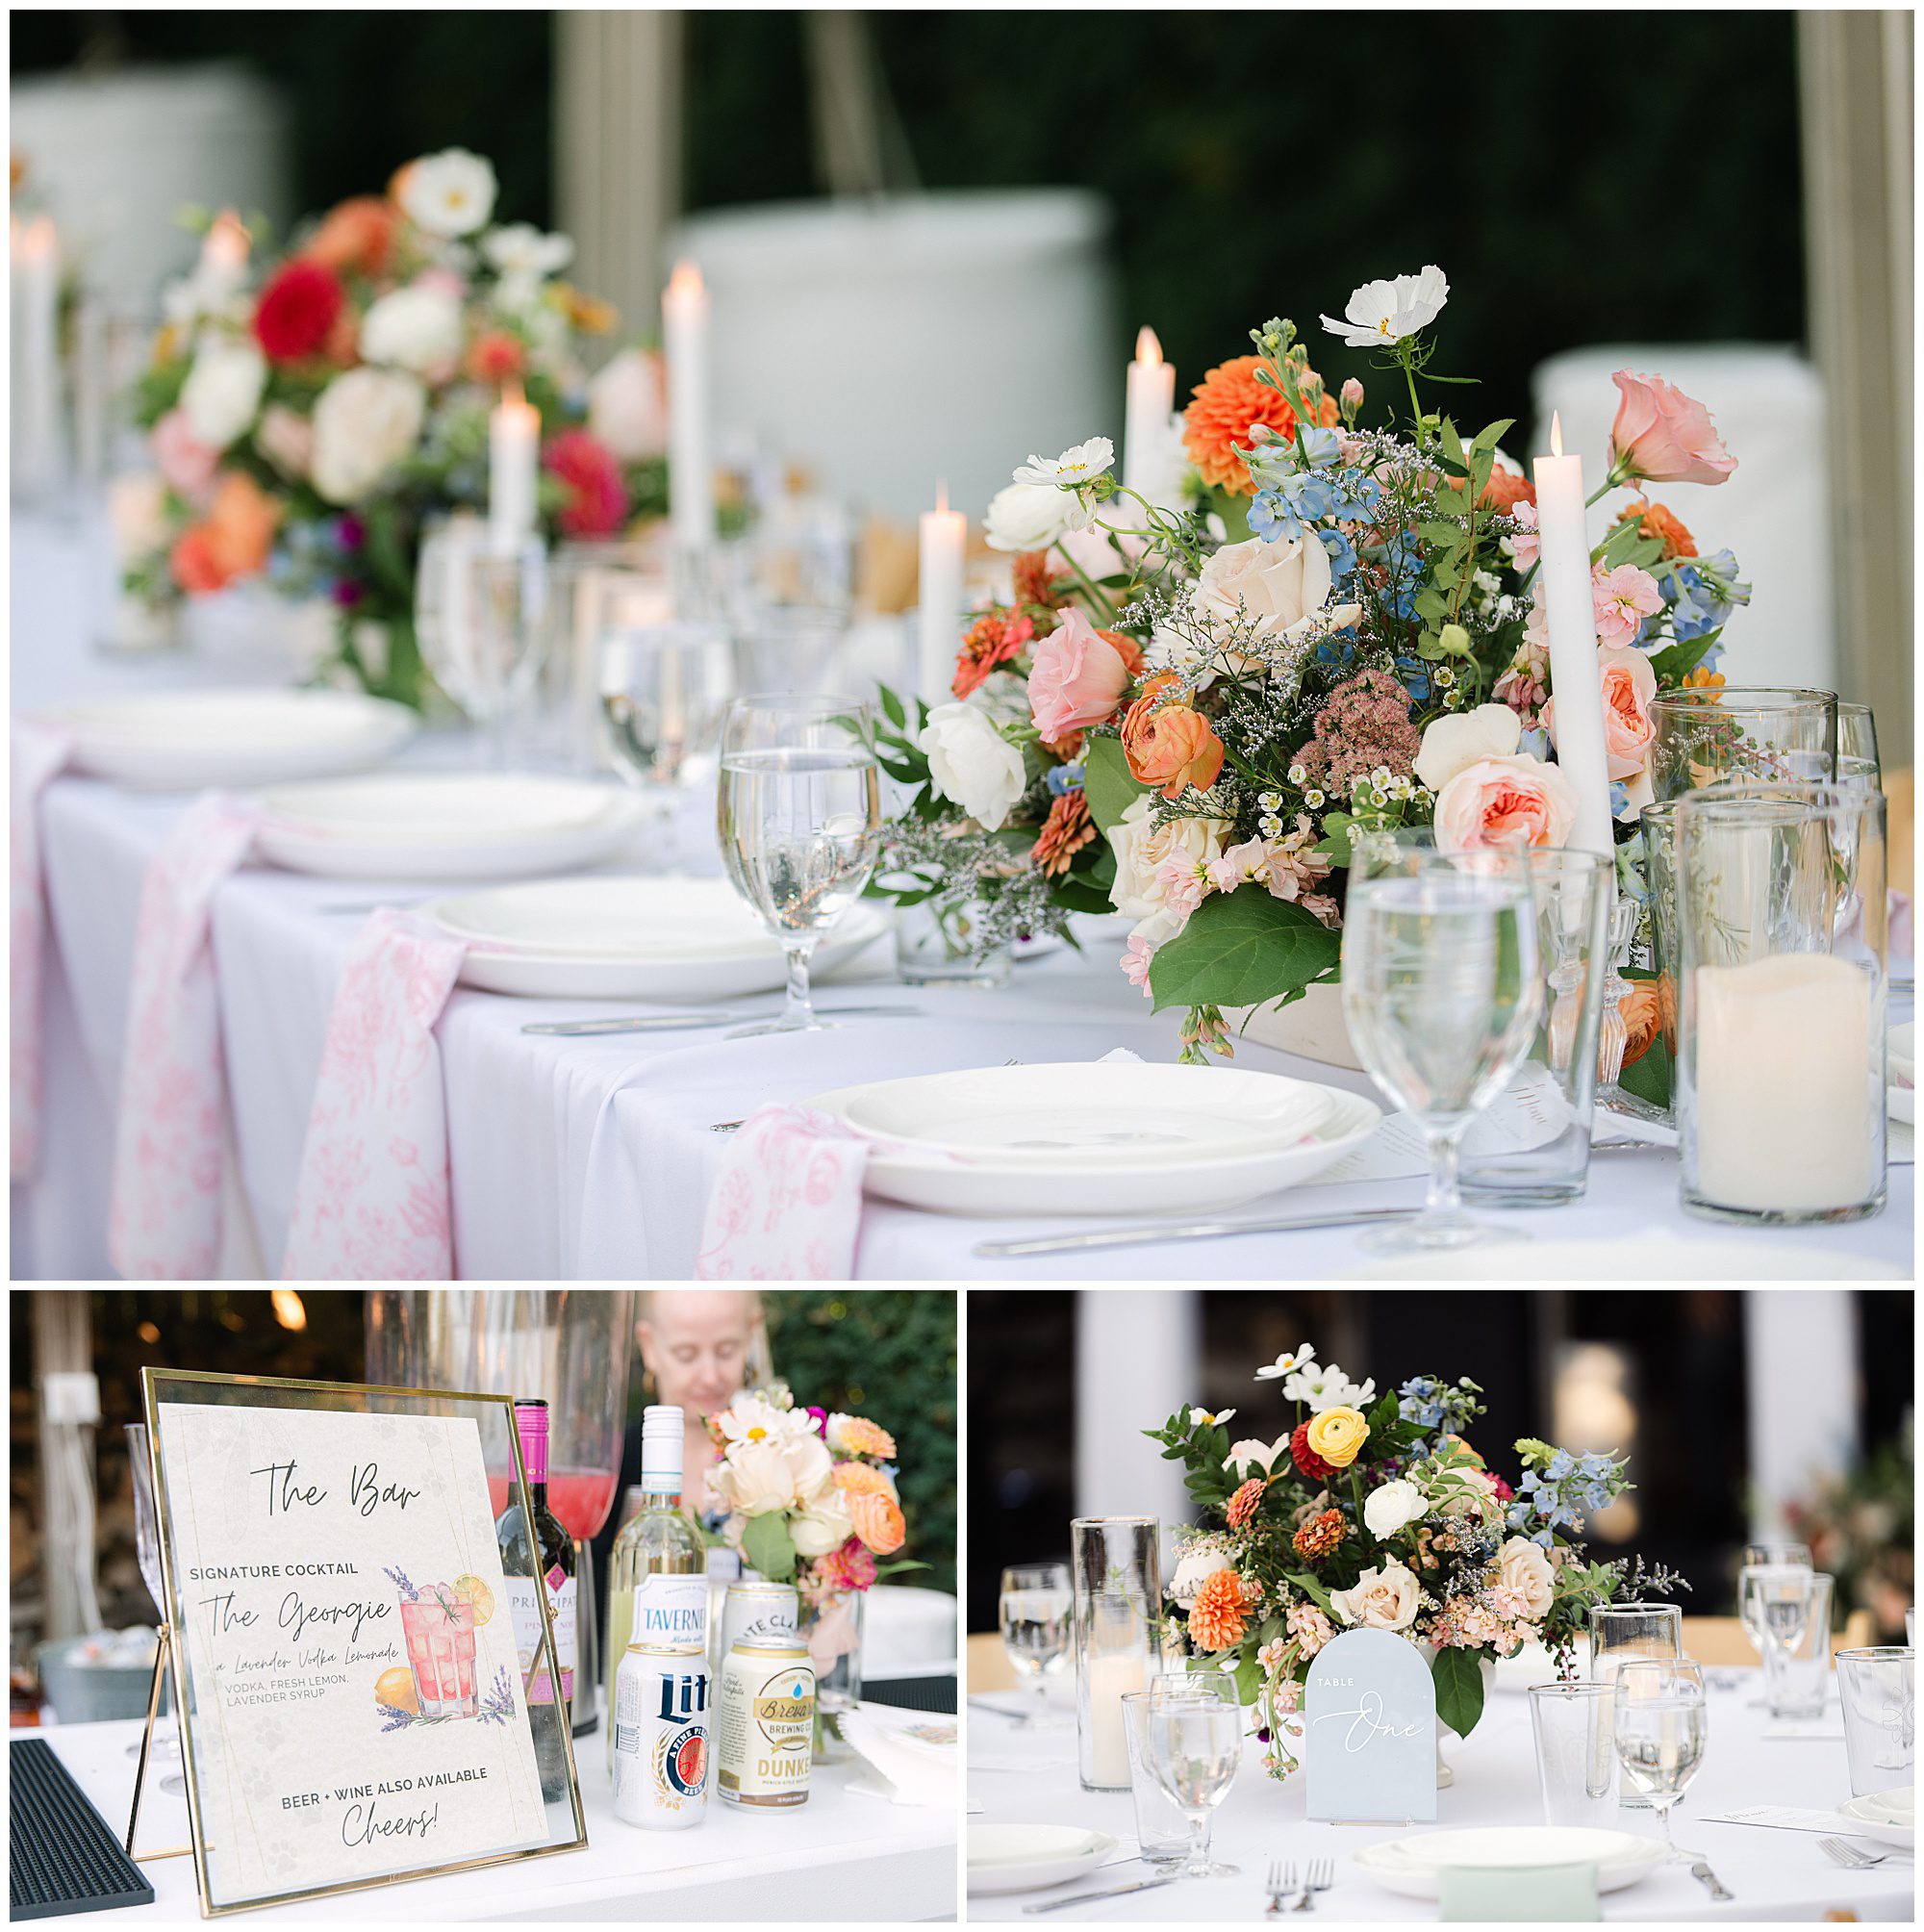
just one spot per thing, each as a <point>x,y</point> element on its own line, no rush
<point>1369,1731</point>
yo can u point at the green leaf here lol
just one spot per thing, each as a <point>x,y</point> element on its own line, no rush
<point>1491,436</point>
<point>1459,1689</point>
<point>1106,781</point>
<point>892,706</point>
<point>1649,1076</point>
<point>1452,444</point>
<point>769,1548</point>
<point>1249,1680</point>
<point>1241,948</point>
<point>1677,661</point>
<point>1315,1592</point>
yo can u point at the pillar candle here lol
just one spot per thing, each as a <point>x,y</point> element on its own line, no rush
<point>37,354</point>
<point>1576,678</point>
<point>944,538</point>
<point>1109,1679</point>
<point>513,443</point>
<point>1149,398</point>
<point>690,482</point>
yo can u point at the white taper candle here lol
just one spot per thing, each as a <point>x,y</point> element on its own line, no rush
<point>690,482</point>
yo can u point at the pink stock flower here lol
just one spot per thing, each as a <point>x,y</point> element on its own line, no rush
<point>1135,963</point>
<point>1184,885</point>
<point>1077,679</point>
<point>1497,800</point>
<point>1351,392</point>
<point>185,464</point>
<point>1525,544</point>
<point>1664,436</point>
<point>1623,597</point>
<point>1526,683</point>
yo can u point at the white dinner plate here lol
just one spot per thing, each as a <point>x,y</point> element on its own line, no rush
<point>1413,1867</point>
<point>1029,1857</point>
<point>181,740</point>
<point>952,1187</point>
<point>1647,1257</point>
<point>444,826</point>
<point>631,939</point>
<point>1885,1816</point>
<point>1081,1114</point>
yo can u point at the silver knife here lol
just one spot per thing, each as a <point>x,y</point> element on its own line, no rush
<point>1148,1235</point>
<point>1114,1892</point>
<point>1702,1869</point>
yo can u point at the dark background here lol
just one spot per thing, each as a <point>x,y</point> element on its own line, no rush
<point>1583,177</point>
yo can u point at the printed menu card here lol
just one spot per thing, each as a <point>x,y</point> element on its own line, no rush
<point>355,1705</point>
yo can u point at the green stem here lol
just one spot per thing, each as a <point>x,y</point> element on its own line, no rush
<point>1095,596</point>
<point>1415,407</point>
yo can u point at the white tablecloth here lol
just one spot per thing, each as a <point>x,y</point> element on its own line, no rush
<point>593,1158</point>
<point>1773,1874</point>
<point>841,1856</point>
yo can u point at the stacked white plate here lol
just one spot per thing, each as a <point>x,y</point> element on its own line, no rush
<point>1888,1816</point>
<point>1026,1857</point>
<point>1102,1137</point>
<point>445,826</point>
<point>630,939</point>
<point>1413,1868</point>
<point>181,740</point>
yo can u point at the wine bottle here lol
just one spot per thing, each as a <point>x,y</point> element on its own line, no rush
<point>552,1561</point>
<point>657,1572</point>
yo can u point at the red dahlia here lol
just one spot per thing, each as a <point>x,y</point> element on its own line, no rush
<point>297,311</point>
<point>597,504</point>
<point>1307,1461</point>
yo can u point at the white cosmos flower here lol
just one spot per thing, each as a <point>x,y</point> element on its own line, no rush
<point>1288,1363</point>
<point>1327,1389</point>
<point>1386,312</point>
<point>1204,1418</point>
<point>449,193</point>
<point>521,249</point>
<point>1074,468</point>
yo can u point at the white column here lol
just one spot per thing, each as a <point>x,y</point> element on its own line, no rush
<point>1800,1373</point>
<point>1137,1354</point>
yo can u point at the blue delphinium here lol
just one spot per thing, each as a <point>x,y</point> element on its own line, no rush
<point>1557,1489</point>
<point>1062,780</point>
<point>1703,592</point>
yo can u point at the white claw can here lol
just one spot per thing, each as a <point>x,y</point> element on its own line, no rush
<point>661,1738</point>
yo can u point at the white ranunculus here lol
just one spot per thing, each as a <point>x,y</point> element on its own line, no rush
<point>413,328</point>
<point>753,1479</point>
<point>1522,1565</point>
<point>824,1526</point>
<point>1192,1571</point>
<point>1382,313</point>
<point>1391,1507</point>
<point>222,390</point>
<point>365,422</point>
<point>810,1466</point>
<point>1275,586</point>
<point>627,407</point>
<point>449,193</point>
<point>973,763</point>
<point>1027,517</point>
<point>1381,1599</point>
<point>1142,850</point>
<point>1456,741</point>
<point>520,248</point>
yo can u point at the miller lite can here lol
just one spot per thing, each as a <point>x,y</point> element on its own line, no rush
<point>661,1738</point>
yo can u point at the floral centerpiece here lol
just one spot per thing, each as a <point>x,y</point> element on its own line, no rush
<point>1375,1511</point>
<point>307,414</point>
<point>1309,627</point>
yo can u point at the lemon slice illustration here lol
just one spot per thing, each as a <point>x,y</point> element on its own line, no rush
<point>396,1688</point>
<point>471,1589</point>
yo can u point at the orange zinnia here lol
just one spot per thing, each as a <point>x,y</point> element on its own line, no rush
<point>1230,402</point>
<point>1663,524</point>
<point>1216,1619</point>
<point>1066,830</point>
<point>1243,1504</point>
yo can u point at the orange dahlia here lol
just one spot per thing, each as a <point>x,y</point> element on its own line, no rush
<point>1216,1619</point>
<point>1066,830</point>
<point>1243,1504</point>
<point>1664,525</point>
<point>1230,402</point>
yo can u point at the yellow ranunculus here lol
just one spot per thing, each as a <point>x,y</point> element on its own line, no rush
<point>1337,1435</point>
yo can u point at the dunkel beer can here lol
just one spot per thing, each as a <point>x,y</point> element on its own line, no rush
<point>754,1612</point>
<point>766,1726</point>
<point>661,1738</point>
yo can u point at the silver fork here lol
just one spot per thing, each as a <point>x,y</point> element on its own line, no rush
<point>1320,1877</point>
<point>1281,1882</point>
<point>1849,1856</point>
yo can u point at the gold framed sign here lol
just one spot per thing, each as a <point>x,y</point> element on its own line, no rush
<point>352,1705</point>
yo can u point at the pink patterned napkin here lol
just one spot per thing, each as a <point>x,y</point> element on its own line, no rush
<point>170,1131</point>
<point>37,754</point>
<point>788,1202</point>
<point>372,1201</point>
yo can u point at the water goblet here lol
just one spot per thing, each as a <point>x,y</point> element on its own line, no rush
<point>1663,1725</point>
<point>481,619</point>
<point>799,814</point>
<point>1194,1735</point>
<point>1036,1607</point>
<point>1776,1603</point>
<point>663,688</point>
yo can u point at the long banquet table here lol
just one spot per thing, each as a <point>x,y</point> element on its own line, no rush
<point>593,1158</point>
<point>1773,1874</point>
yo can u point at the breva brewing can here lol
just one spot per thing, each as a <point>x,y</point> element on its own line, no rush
<point>767,1725</point>
<point>661,1738</point>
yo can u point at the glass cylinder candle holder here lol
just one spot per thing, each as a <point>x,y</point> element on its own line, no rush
<point>1877,1686</point>
<point>1117,1567</point>
<point>1710,733</point>
<point>1781,1026</point>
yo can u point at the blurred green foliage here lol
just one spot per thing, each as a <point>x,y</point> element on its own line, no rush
<point>888,1353</point>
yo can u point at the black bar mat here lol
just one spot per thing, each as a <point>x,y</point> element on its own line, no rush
<point>60,1857</point>
<point>912,1693</point>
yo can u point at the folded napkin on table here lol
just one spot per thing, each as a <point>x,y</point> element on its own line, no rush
<point>38,755</point>
<point>908,1758</point>
<point>787,1204</point>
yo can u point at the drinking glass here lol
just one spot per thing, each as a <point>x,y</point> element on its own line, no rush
<point>1037,1612</point>
<point>1532,1148</point>
<point>1625,1633</point>
<point>1194,1735</point>
<point>1781,1028</point>
<point>1878,1687</point>
<point>1162,1832</point>
<point>1857,739</point>
<point>1663,1725</point>
<point>790,649</point>
<point>1756,1556</point>
<point>1716,731</point>
<point>481,619</point>
<point>1574,1725</point>
<point>800,821</point>
<point>1442,994</point>
<point>1116,1585</point>
<point>166,1743</point>
<point>594,588</point>
<point>664,688</point>
<point>1791,1606</point>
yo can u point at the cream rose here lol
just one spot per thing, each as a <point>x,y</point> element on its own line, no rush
<point>1275,586</point>
<point>1452,744</point>
<point>1027,517</point>
<point>415,328</point>
<point>365,422</point>
<point>285,439</point>
<point>754,1480</point>
<point>810,1466</point>
<point>627,407</point>
<point>222,390</point>
<point>1141,851</point>
<point>824,1525</point>
<point>1381,1599</point>
<point>973,763</point>
<point>1523,1566</point>
<point>1391,1507</point>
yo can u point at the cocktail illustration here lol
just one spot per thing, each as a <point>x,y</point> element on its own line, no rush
<point>438,1622</point>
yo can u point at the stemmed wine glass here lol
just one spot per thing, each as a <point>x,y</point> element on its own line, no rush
<point>481,620</point>
<point>663,690</point>
<point>1442,995</point>
<point>1775,1602</point>
<point>1194,1735</point>
<point>1035,1607</point>
<point>1764,1556</point>
<point>1663,1725</point>
<point>166,1743</point>
<point>800,812</point>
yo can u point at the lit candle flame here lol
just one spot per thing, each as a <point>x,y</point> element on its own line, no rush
<point>685,281</point>
<point>227,239</point>
<point>1149,351</point>
<point>1556,434</point>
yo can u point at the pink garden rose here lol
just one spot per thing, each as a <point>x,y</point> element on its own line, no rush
<point>1077,678</point>
<point>186,463</point>
<point>1664,436</point>
<point>1629,686</point>
<point>1497,800</point>
<point>1623,598</point>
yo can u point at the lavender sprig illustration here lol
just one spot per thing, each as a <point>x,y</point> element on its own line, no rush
<point>498,1705</point>
<point>399,1579</point>
<point>396,1718</point>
